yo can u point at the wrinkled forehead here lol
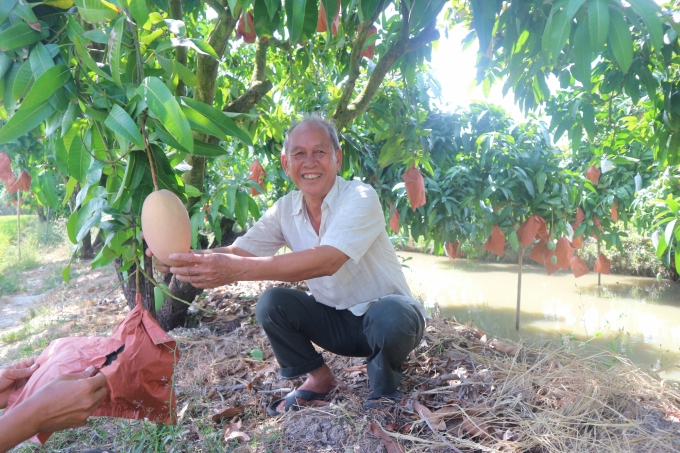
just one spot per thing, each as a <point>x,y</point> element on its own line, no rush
<point>310,134</point>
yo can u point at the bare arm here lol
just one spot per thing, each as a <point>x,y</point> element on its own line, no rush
<point>230,250</point>
<point>216,269</point>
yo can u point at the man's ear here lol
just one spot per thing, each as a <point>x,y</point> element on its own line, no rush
<point>284,164</point>
<point>338,156</point>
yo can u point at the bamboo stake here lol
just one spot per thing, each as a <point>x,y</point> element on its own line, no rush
<point>599,276</point>
<point>519,285</point>
<point>19,223</point>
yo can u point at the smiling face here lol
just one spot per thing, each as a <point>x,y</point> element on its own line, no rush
<point>310,162</point>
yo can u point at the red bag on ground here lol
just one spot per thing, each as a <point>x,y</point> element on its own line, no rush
<point>394,220</point>
<point>537,252</point>
<point>593,173</point>
<point>580,217</point>
<point>496,242</point>
<point>548,254</point>
<point>415,187</point>
<point>248,36</point>
<point>602,264</point>
<point>532,228</point>
<point>5,168</point>
<point>578,267</point>
<point>564,250</point>
<point>257,174</point>
<point>322,25</point>
<point>615,211</point>
<point>139,379</point>
<point>453,250</point>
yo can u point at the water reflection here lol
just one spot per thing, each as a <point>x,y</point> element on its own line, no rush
<point>637,317</point>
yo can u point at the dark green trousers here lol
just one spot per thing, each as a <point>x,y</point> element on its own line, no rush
<point>385,335</point>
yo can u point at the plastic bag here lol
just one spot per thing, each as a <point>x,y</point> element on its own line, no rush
<point>5,168</point>
<point>537,252</point>
<point>602,264</point>
<point>22,183</point>
<point>322,25</point>
<point>453,250</point>
<point>496,242</point>
<point>615,211</point>
<point>415,187</point>
<point>248,35</point>
<point>532,228</point>
<point>580,217</point>
<point>257,174</point>
<point>139,379</point>
<point>593,173</point>
<point>597,223</point>
<point>548,256</point>
<point>369,51</point>
<point>638,182</point>
<point>578,267</point>
<point>394,219</point>
<point>577,242</point>
<point>606,165</point>
<point>564,250</point>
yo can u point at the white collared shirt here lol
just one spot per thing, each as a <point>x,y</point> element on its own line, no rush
<point>351,221</point>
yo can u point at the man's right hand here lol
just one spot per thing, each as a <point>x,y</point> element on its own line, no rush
<point>66,402</point>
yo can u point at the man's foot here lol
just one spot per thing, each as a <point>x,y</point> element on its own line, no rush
<point>319,382</point>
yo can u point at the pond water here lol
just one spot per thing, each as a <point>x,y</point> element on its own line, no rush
<point>633,316</point>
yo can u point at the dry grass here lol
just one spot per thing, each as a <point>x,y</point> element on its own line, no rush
<point>463,392</point>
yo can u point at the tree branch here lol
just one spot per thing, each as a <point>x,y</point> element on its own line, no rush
<point>259,86</point>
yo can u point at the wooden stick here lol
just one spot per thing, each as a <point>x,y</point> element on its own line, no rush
<point>599,276</point>
<point>519,285</point>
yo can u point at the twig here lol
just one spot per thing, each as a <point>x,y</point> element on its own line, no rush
<point>436,433</point>
<point>228,388</point>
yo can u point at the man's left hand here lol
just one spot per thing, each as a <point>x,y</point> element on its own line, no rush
<point>207,270</point>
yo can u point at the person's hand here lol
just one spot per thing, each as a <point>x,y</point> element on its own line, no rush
<point>66,402</point>
<point>164,268</point>
<point>15,377</point>
<point>207,270</point>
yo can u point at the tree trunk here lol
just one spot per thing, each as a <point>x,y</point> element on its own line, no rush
<point>87,251</point>
<point>129,285</point>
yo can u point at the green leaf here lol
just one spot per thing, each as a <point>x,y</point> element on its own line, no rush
<point>513,240</point>
<point>23,81</point>
<point>198,45</point>
<point>620,40</point>
<point>207,149</point>
<point>69,117</point>
<point>158,297</point>
<point>115,48</point>
<point>165,108</point>
<point>589,118</point>
<point>25,12</point>
<point>121,123</point>
<point>185,74</point>
<point>219,119</point>
<point>97,11</point>
<point>265,25</point>
<point>66,273</point>
<point>6,7</point>
<point>556,34</point>
<point>272,7</point>
<point>368,8</point>
<point>25,120</point>
<point>668,236</point>
<point>295,13</point>
<point>87,59</point>
<point>649,11</point>
<point>583,56</point>
<point>18,35</point>
<point>139,11</point>
<point>540,181</point>
<point>598,21</point>
<point>78,160</point>
<point>677,257</point>
<point>49,189</point>
<point>40,60</point>
<point>573,7</point>
<point>191,191</point>
<point>47,84</point>
<point>529,186</point>
<point>331,7</point>
<point>257,354</point>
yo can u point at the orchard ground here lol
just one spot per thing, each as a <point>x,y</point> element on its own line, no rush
<point>464,390</point>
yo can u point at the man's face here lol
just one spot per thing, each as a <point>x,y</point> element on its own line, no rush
<point>310,161</point>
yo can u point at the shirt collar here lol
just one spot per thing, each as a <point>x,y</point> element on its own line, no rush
<point>329,200</point>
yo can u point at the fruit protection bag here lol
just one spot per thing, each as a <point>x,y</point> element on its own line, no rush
<point>138,361</point>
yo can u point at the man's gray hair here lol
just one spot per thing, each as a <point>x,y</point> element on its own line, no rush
<point>314,118</point>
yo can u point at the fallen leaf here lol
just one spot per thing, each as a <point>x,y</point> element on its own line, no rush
<point>355,368</point>
<point>476,427</point>
<point>237,435</point>
<point>387,441</point>
<point>426,415</point>
<point>392,427</point>
<point>499,346</point>
<point>228,413</point>
<point>180,414</point>
<point>446,412</point>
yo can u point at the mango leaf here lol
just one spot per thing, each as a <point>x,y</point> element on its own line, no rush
<point>87,59</point>
<point>198,45</point>
<point>241,208</point>
<point>23,81</point>
<point>556,34</point>
<point>139,11</point>
<point>165,108</point>
<point>598,21</point>
<point>40,60</point>
<point>207,150</point>
<point>121,123</point>
<point>25,120</point>
<point>89,215</point>
<point>115,49</point>
<point>46,85</point>
<point>6,7</point>
<point>219,119</point>
<point>583,56</point>
<point>295,13</point>
<point>649,12</point>
<point>589,118</point>
<point>265,25</point>
<point>573,7</point>
<point>331,7</point>
<point>367,9</point>
<point>25,12</point>
<point>69,117</point>
<point>18,35</point>
<point>668,236</point>
<point>159,298</point>
<point>97,11</point>
<point>620,40</point>
<point>78,160</point>
<point>49,189</point>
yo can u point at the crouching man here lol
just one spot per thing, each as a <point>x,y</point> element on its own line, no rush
<point>360,304</point>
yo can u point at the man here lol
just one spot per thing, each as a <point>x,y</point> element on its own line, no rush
<point>66,402</point>
<point>360,305</point>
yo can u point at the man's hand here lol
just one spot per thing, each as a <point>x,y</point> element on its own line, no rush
<point>67,401</point>
<point>207,270</point>
<point>14,377</point>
